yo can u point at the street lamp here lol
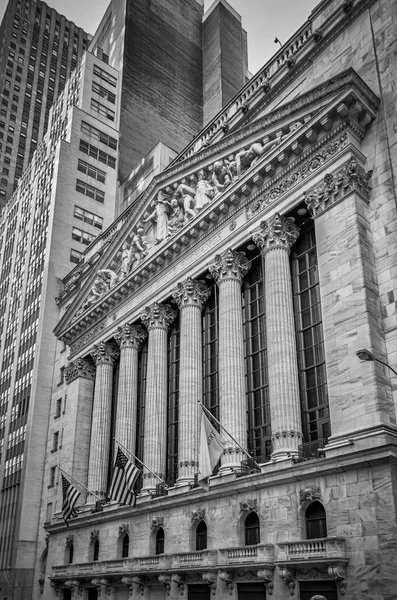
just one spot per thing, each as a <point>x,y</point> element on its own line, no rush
<point>366,355</point>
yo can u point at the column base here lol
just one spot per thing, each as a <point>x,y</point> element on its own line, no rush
<point>285,444</point>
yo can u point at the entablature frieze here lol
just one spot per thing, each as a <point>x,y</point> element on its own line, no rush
<point>254,192</point>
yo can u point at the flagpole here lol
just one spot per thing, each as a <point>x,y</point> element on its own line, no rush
<point>77,481</point>
<point>142,463</point>
<point>226,431</point>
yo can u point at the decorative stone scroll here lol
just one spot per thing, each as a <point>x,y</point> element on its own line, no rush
<point>157,522</point>
<point>105,353</point>
<point>210,578</point>
<point>198,514</point>
<point>289,576</point>
<point>336,186</point>
<point>309,494</point>
<point>166,581</point>
<point>134,582</point>
<point>248,505</point>
<point>81,367</point>
<point>266,575</point>
<point>130,336</point>
<point>75,586</point>
<point>338,573</point>
<point>191,293</point>
<point>158,316</point>
<point>228,580</point>
<point>123,529</point>
<point>278,232</point>
<point>179,581</point>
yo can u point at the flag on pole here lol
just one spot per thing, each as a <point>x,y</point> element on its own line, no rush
<point>211,449</point>
<point>124,477</point>
<point>70,495</point>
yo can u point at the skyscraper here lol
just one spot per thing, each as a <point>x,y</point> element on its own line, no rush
<point>39,48</point>
<point>65,199</point>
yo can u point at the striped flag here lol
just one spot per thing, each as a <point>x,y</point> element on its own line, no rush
<point>69,498</point>
<point>124,477</point>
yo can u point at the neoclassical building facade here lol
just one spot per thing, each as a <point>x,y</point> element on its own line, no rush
<point>244,278</point>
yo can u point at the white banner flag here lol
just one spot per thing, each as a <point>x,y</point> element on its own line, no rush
<point>211,449</point>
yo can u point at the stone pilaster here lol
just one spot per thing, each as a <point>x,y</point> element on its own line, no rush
<point>157,318</point>
<point>275,239</point>
<point>190,297</point>
<point>228,271</point>
<point>80,378</point>
<point>129,339</point>
<point>105,356</point>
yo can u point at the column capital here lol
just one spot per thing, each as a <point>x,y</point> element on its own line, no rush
<point>130,336</point>
<point>158,316</point>
<point>105,353</point>
<point>191,293</point>
<point>278,232</point>
<point>82,367</point>
<point>229,265</point>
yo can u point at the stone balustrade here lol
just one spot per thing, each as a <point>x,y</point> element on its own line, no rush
<point>195,559</point>
<point>261,553</point>
<point>323,549</point>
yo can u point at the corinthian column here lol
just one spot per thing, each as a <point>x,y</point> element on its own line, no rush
<point>228,271</point>
<point>129,339</point>
<point>105,356</point>
<point>275,239</point>
<point>157,318</point>
<point>190,297</point>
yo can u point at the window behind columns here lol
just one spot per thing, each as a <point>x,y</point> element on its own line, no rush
<point>173,401</point>
<point>140,421</point>
<point>309,336</point>
<point>257,387</point>
<point>210,353</point>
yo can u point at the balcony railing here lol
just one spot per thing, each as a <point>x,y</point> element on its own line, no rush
<point>195,559</point>
<point>251,554</point>
<point>311,450</point>
<point>324,550</point>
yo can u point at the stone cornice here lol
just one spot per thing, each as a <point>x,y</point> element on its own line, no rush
<point>336,186</point>
<point>261,185</point>
<point>337,84</point>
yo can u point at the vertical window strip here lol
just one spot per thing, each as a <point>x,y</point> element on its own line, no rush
<point>210,334</point>
<point>140,421</point>
<point>309,336</point>
<point>173,402</point>
<point>257,386</point>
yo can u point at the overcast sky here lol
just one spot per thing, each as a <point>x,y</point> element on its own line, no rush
<point>262,19</point>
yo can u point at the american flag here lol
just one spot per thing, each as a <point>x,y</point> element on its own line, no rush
<point>70,496</point>
<point>124,476</point>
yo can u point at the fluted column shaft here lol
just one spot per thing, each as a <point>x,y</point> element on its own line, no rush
<point>190,297</point>
<point>275,239</point>
<point>157,318</point>
<point>104,355</point>
<point>129,339</point>
<point>228,271</point>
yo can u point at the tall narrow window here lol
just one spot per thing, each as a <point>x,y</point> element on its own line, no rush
<point>316,521</point>
<point>96,551</point>
<point>173,401</point>
<point>140,421</point>
<point>71,554</point>
<point>210,353</point>
<point>309,335</point>
<point>201,536</point>
<point>160,541</point>
<point>259,428</point>
<point>252,532</point>
<point>125,550</point>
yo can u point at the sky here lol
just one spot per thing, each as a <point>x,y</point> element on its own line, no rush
<point>262,20</point>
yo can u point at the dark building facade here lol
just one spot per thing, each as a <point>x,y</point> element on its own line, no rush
<point>39,49</point>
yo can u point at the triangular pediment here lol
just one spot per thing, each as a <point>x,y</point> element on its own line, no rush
<point>190,196</point>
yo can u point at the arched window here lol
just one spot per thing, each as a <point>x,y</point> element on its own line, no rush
<point>160,541</point>
<point>201,536</point>
<point>316,522</point>
<point>71,553</point>
<point>96,550</point>
<point>252,533</point>
<point>125,549</point>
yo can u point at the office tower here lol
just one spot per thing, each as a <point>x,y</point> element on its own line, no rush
<point>39,49</point>
<point>245,277</point>
<point>65,199</point>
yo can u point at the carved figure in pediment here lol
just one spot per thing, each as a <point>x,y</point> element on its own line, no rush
<point>187,194</point>
<point>139,248</point>
<point>204,191</point>
<point>125,260</point>
<point>104,281</point>
<point>160,217</point>
<point>221,177</point>
<point>176,217</point>
<point>246,158</point>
